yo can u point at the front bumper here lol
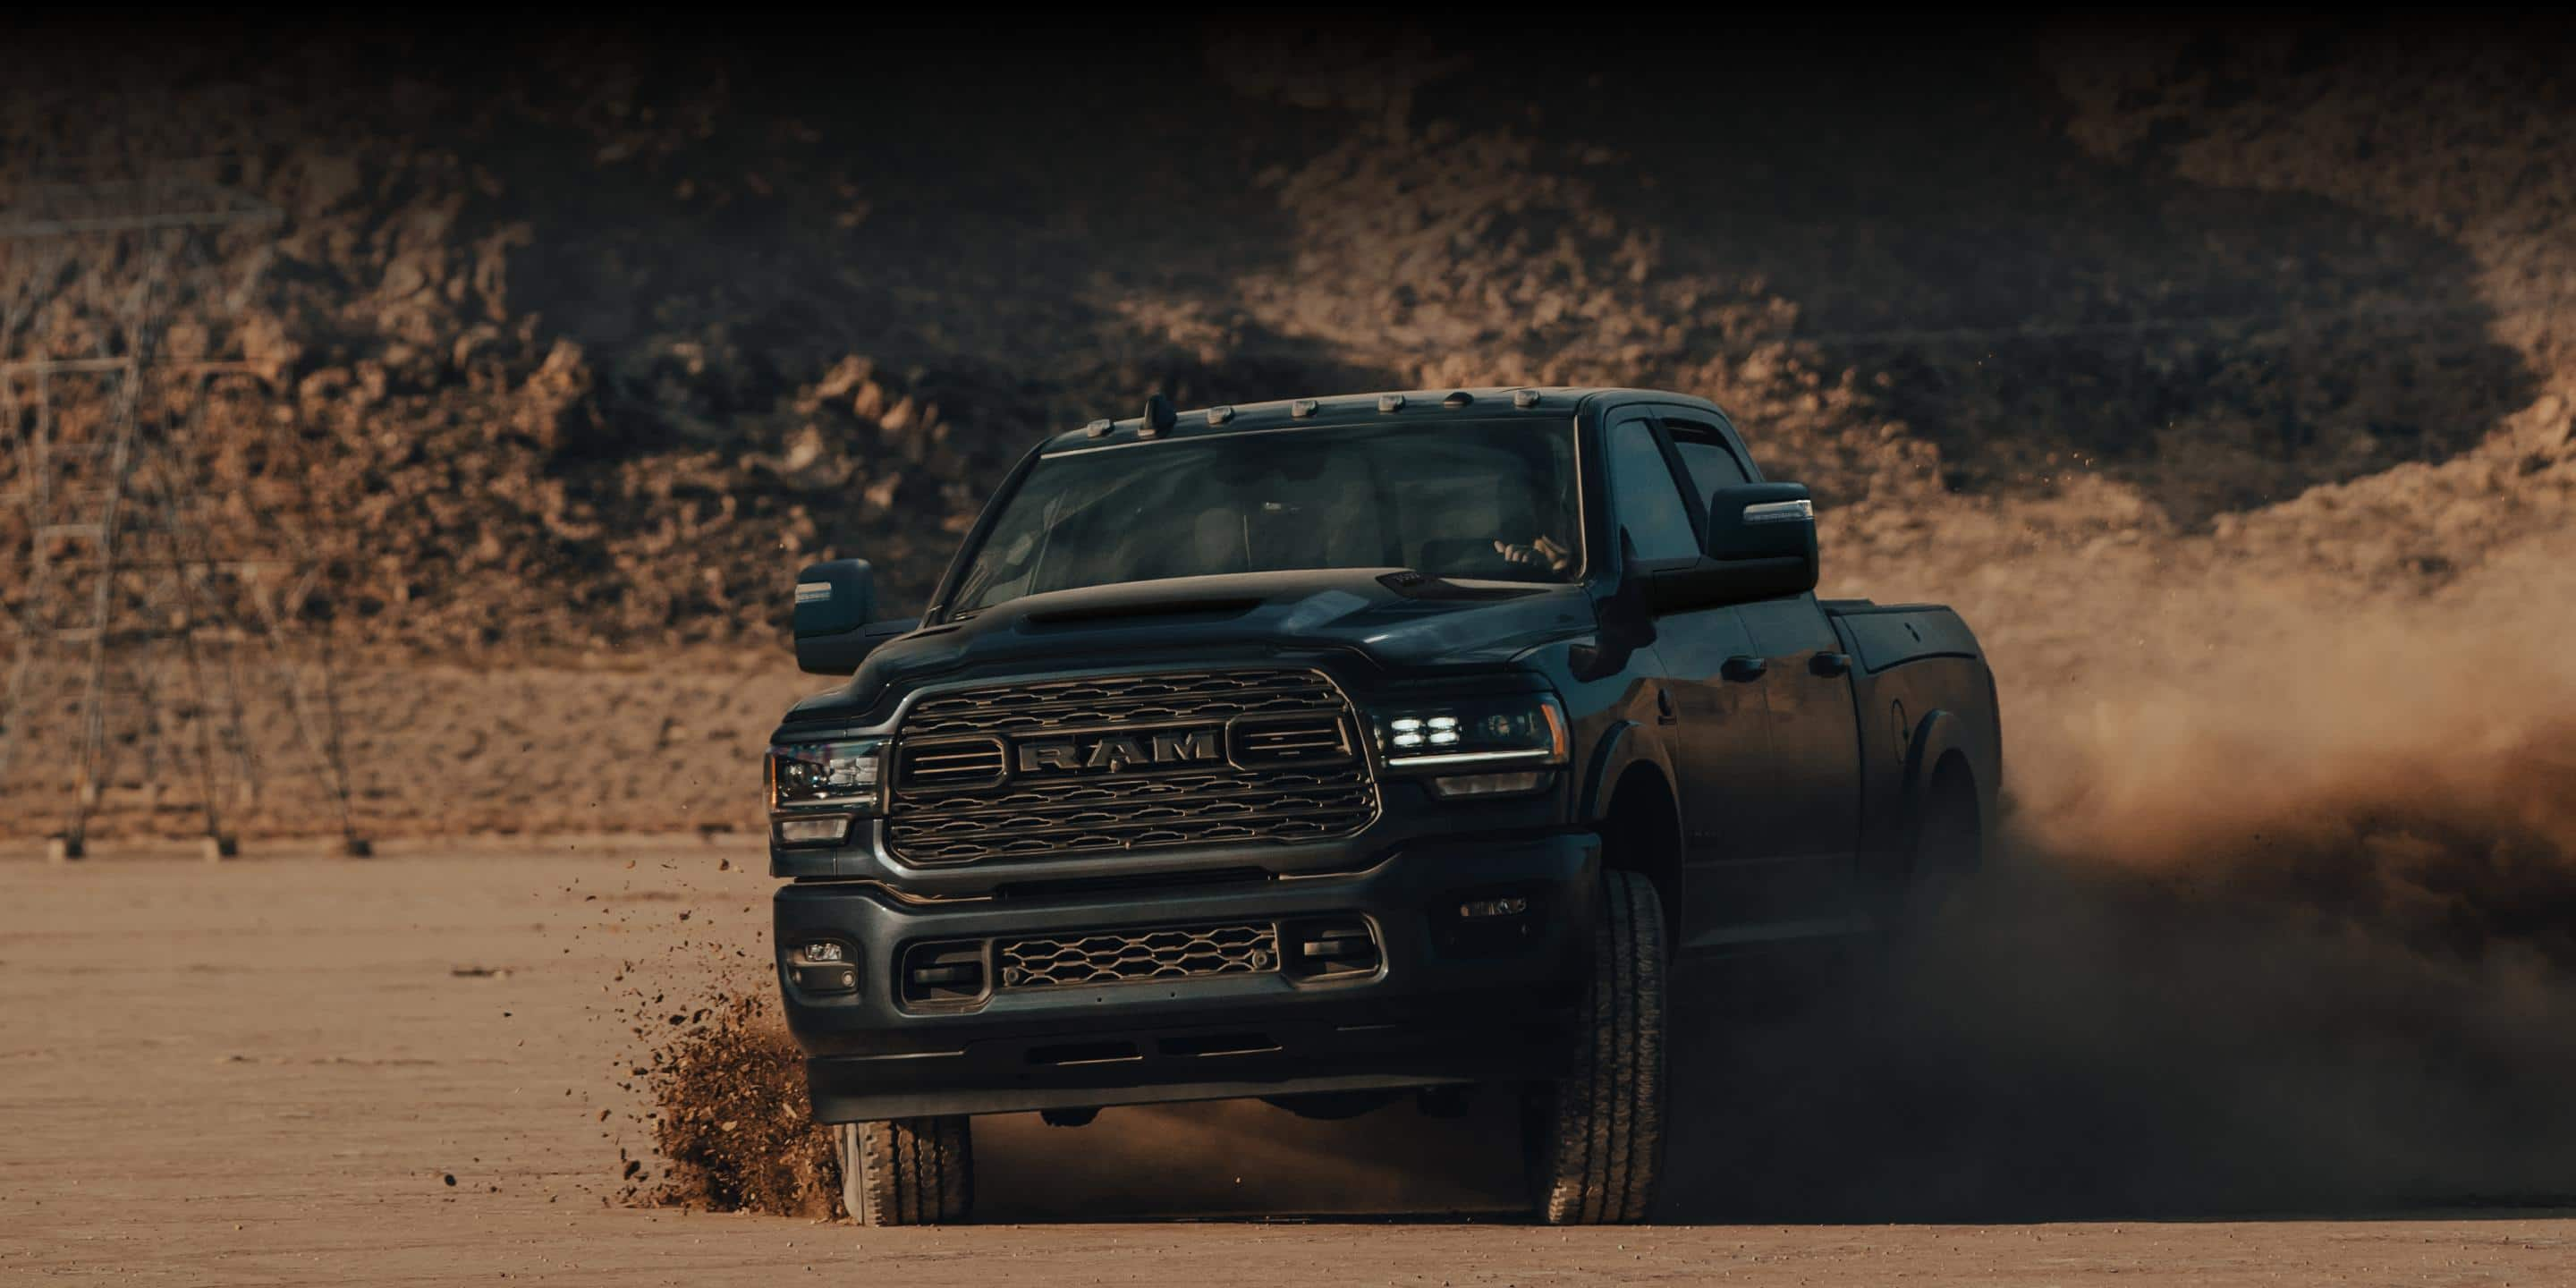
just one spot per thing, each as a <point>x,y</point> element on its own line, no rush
<point>1449,1001</point>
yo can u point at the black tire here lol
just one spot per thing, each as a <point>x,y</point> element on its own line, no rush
<point>1949,845</point>
<point>911,1171</point>
<point>1906,899</point>
<point>1595,1136</point>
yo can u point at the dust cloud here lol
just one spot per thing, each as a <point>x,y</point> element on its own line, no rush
<point>2283,921</point>
<point>2410,768</point>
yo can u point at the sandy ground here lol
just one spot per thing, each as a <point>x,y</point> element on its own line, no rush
<point>268,1072</point>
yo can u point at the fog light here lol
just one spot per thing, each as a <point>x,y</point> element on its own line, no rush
<point>825,979</point>
<point>1507,906</point>
<point>813,831</point>
<point>823,966</point>
<point>1450,786</point>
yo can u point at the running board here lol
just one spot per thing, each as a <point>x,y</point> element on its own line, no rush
<point>1776,934</point>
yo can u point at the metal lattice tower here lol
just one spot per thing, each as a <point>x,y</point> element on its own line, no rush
<point>132,626</point>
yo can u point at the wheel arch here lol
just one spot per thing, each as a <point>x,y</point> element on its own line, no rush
<point>1629,798</point>
<point>1942,740</point>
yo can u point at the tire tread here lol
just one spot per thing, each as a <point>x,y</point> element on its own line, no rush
<point>1599,1138</point>
<point>908,1171</point>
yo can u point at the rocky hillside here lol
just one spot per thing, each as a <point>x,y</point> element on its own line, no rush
<point>575,343</point>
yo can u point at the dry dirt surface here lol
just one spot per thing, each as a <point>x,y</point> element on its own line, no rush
<point>292,1069</point>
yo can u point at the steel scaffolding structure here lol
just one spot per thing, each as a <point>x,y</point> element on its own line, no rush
<point>132,625</point>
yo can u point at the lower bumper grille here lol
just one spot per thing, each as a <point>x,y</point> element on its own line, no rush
<point>1137,956</point>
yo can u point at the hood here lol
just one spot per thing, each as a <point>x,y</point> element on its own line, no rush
<point>1396,618</point>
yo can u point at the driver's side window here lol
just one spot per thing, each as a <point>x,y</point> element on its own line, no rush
<point>1644,496</point>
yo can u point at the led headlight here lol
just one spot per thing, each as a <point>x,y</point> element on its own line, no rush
<point>819,775</point>
<point>1524,729</point>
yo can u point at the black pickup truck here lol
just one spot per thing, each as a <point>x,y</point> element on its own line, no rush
<point>1339,749</point>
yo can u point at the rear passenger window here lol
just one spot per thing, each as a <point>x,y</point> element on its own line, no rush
<point>1643,494</point>
<point>1706,456</point>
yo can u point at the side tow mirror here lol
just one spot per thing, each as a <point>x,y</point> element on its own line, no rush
<point>835,603</point>
<point>1764,537</point>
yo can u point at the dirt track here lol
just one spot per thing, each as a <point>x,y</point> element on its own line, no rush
<point>264,1073</point>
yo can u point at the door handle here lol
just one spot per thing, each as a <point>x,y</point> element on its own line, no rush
<point>1664,712</point>
<point>1745,667</point>
<point>1829,664</point>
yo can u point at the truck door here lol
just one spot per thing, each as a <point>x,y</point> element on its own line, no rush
<point>1716,724</point>
<point>1809,824</point>
<point>1815,742</point>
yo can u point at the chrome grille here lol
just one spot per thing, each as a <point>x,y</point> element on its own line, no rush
<point>1133,956</point>
<point>1129,762</point>
<point>951,762</point>
<point>1052,705</point>
<point>1284,740</point>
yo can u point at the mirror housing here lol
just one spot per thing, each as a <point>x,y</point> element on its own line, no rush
<point>1761,545</point>
<point>834,604</point>
<point>1761,521</point>
<point>1764,536</point>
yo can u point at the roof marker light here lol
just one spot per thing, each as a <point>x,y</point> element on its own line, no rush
<point>1220,415</point>
<point>1390,402</point>
<point>1303,408</point>
<point>1525,398</point>
<point>1457,400</point>
<point>1158,417</point>
<point>1098,428</point>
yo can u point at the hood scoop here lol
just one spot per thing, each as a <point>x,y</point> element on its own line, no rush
<point>1416,585</point>
<point>1159,612</point>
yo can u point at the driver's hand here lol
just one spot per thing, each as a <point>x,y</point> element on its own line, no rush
<point>1545,551</point>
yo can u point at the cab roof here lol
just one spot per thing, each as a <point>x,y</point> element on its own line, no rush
<point>1550,404</point>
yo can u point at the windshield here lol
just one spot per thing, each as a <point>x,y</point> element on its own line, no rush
<point>1476,499</point>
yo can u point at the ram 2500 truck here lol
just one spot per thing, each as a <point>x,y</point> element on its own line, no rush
<point>1338,749</point>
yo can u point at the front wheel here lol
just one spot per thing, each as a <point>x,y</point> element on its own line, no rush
<point>1595,1136</point>
<point>911,1171</point>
